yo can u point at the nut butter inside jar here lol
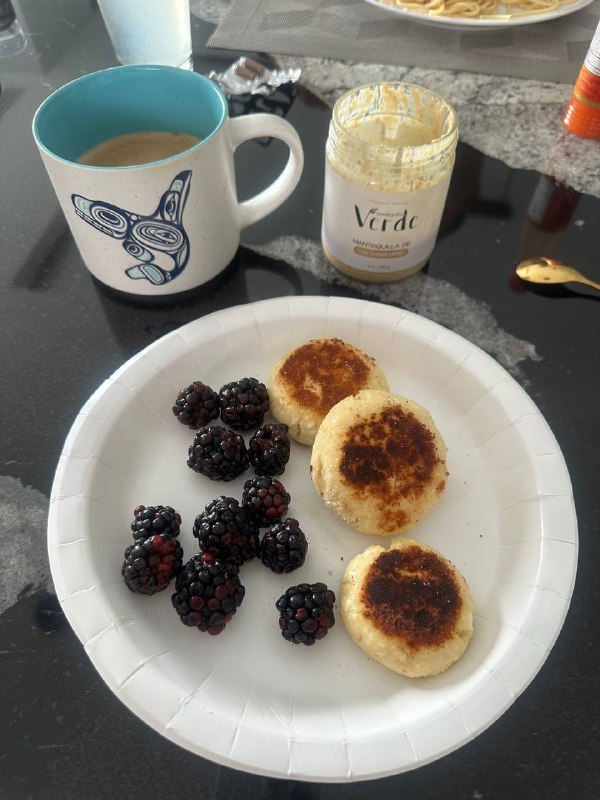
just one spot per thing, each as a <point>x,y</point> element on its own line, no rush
<point>389,158</point>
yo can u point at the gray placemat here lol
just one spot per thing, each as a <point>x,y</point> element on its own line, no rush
<point>356,31</point>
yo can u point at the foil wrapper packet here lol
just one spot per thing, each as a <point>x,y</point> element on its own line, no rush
<point>252,87</point>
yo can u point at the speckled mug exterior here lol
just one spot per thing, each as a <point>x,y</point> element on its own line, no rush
<point>171,225</point>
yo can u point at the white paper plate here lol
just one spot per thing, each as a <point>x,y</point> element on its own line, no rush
<point>247,698</point>
<point>465,24</point>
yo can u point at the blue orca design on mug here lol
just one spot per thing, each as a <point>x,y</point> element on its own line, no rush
<point>159,242</point>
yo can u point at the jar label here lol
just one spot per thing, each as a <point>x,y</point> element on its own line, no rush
<point>382,232</point>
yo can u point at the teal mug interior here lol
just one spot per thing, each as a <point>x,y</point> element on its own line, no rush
<point>129,99</point>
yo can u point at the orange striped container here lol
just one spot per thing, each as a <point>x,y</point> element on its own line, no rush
<point>582,116</point>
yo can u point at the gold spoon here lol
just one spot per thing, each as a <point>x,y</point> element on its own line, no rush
<point>549,270</point>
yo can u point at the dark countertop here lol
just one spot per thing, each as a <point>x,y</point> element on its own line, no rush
<point>64,734</point>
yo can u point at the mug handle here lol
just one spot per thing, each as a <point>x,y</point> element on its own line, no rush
<point>254,126</point>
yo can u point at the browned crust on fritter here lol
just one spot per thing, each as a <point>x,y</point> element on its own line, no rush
<point>407,607</point>
<point>322,372</point>
<point>412,595</point>
<point>392,454</point>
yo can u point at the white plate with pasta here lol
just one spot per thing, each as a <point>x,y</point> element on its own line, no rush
<point>478,14</point>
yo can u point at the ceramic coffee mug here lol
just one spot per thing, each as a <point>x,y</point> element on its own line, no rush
<point>172,224</point>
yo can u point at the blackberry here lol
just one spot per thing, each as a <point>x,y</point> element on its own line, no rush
<point>244,403</point>
<point>266,498</point>
<point>283,547</point>
<point>207,594</point>
<point>196,405</point>
<point>151,563</point>
<point>306,613</point>
<point>155,519</point>
<point>218,453</point>
<point>227,531</point>
<point>269,449</point>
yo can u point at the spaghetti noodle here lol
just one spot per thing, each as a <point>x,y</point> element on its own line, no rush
<point>480,9</point>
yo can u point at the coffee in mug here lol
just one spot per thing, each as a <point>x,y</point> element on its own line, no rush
<point>137,148</point>
<point>163,221</point>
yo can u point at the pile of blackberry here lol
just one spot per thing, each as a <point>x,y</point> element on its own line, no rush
<point>244,403</point>
<point>208,590</point>
<point>196,405</point>
<point>269,449</point>
<point>155,557</point>
<point>208,593</point>
<point>306,613</point>
<point>218,453</point>
<point>283,547</point>
<point>227,530</point>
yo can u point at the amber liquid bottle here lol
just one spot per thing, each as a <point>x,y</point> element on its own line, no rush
<point>582,116</point>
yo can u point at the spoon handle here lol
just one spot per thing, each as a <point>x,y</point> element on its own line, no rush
<point>588,282</point>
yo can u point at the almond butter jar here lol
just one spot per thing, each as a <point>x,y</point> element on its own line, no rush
<point>389,159</point>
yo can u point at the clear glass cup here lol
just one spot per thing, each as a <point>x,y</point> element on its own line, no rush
<point>150,31</point>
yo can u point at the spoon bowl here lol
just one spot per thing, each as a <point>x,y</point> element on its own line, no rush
<point>550,270</point>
